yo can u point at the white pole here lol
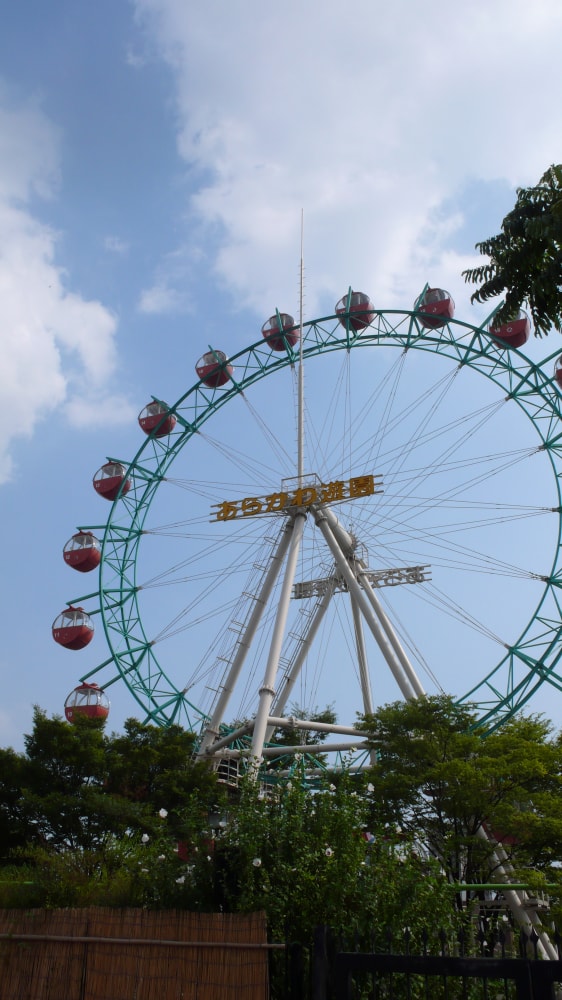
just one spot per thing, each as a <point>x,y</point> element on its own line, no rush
<point>358,593</point>
<point>267,690</point>
<point>300,444</point>
<point>362,658</point>
<point>284,692</point>
<point>392,637</point>
<point>212,730</point>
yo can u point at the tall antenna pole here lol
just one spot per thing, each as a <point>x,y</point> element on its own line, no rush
<point>300,470</point>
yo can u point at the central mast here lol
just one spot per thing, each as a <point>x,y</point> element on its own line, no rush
<point>296,528</point>
<point>300,431</point>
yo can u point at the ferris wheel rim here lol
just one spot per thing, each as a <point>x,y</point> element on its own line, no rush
<point>458,341</point>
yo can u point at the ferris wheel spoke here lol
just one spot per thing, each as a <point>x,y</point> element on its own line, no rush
<point>181,579</point>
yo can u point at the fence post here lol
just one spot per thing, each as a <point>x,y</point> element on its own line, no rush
<point>320,965</point>
<point>296,971</point>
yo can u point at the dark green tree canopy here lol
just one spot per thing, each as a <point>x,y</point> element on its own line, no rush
<point>76,788</point>
<point>442,780</point>
<point>525,258</point>
<point>129,819</point>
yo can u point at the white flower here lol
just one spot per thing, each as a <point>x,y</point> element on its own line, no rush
<point>180,880</point>
<point>328,852</point>
<point>145,838</point>
<point>370,787</point>
<point>144,870</point>
<point>288,786</point>
<point>257,862</point>
<point>161,857</point>
<point>162,813</point>
<point>332,788</point>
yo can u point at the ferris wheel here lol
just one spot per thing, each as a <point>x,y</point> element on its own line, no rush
<point>354,509</point>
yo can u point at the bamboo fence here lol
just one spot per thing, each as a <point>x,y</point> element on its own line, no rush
<point>131,954</point>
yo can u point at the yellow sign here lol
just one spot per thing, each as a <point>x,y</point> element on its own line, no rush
<point>302,496</point>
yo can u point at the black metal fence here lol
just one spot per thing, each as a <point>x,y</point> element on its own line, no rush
<point>504,967</point>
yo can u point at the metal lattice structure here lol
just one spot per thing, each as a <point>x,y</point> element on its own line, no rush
<point>529,656</point>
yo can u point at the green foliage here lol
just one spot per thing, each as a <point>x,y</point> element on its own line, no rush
<point>89,819</point>
<point>441,780</point>
<point>525,258</point>
<point>13,828</point>
<point>302,856</point>
<point>154,766</point>
<point>63,798</point>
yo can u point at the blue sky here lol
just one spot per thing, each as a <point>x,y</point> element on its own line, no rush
<point>154,160</point>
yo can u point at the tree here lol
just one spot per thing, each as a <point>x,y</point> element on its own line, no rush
<point>154,767</point>
<point>63,774</point>
<point>525,258</point>
<point>13,828</point>
<point>99,818</point>
<point>441,779</point>
<point>87,818</point>
<point>310,857</point>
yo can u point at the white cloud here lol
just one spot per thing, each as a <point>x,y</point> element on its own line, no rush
<point>99,409</point>
<point>169,293</point>
<point>57,348</point>
<point>368,117</point>
<point>28,152</point>
<point>134,59</point>
<point>116,245</point>
<point>160,298</point>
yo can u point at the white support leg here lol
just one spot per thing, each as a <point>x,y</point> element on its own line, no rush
<point>357,592</point>
<point>392,637</point>
<point>362,659</point>
<point>284,693</point>
<point>212,730</point>
<point>267,690</point>
<point>514,899</point>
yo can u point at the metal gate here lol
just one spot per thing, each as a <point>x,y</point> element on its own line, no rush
<point>386,973</point>
<point>401,977</point>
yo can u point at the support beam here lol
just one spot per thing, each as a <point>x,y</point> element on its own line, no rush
<point>391,635</point>
<point>307,639</point>
<point>267,690</point>
<point>324,523</point>
<point>362,658</point>
<point>212,730</point>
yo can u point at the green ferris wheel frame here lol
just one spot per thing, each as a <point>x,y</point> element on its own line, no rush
<point>526,665</point>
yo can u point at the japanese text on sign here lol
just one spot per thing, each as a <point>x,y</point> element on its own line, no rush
<point>302,496</point>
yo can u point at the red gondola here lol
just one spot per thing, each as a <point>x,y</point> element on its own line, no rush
<point>73,628</point>
<point>110,479</point>
<point>280,332</point>
<point>82,552</point>
<point>88,701</point>
<point>156,419</point>
<point>437,308</point>
<point>515,333</point>
<point>213,369</point>
<point>359,307</point>
<point>558,370</point>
